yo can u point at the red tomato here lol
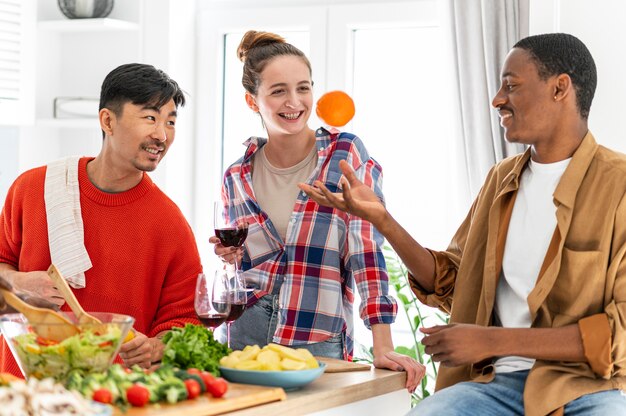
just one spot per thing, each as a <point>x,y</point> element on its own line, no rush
<point>44,341</point>
<point>137,395</point>
<point>207,378</point>
<point>102,396</point>
<point>105,344</point>
<point>193,388</point>
<point>217,387</point>
<point>193,371</point>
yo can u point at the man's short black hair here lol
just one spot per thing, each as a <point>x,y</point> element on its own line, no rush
<point>561,53</point>
<point>138,84</point>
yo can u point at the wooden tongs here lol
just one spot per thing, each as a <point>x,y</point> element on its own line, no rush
<point>61,284</point>
<point>82,316</point>
<point>47,323</point>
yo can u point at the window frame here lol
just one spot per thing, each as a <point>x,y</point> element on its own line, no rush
<point>331,38</point>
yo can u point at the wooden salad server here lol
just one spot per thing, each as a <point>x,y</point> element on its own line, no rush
<point>47,323</point>
<point>61,284</point>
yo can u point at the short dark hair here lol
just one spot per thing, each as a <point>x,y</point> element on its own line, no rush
<point>138,84</point>
<point>561,53</point>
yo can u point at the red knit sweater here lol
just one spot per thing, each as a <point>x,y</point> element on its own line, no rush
<point>144,255</point>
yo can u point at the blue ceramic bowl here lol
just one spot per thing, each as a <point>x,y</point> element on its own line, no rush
<point>288,380</point>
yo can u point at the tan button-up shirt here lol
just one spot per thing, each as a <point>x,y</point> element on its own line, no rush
<point>582,280</point>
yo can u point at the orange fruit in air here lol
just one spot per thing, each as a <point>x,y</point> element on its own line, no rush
<point>335,108</point>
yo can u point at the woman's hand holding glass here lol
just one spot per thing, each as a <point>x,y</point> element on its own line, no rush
<point>231,230</point>
<point>231,255</point>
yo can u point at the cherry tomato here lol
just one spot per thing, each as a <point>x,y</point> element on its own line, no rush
<point>217,387</point>
<point>102,396</point>
<point>137,395</point>
<point>207,378</point>
<point>193,388</point>
<point>105,344</point>
<point>193,371</point>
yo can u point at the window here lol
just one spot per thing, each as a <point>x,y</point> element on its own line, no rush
<point>390,58</point>
<point>17,28</point>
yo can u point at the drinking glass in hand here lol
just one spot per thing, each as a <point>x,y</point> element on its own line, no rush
<point>212,299</point>
<point>230,225</point>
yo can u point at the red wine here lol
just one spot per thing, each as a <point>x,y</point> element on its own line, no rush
<point>236,310</point>
<point>212,321</point>
<point>232,237</point>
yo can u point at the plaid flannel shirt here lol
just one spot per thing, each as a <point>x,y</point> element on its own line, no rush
<point>325,253</point>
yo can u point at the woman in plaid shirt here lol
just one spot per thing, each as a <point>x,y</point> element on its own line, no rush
<point>303,259</point>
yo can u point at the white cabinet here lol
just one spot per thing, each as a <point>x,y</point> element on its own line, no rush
<point>72,59</point>
<point>74,56</point>
<point>62,58</point>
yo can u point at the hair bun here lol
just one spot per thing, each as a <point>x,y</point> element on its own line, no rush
<point>253,39</point>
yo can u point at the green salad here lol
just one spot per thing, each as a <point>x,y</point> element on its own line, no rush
<point>89,350</point>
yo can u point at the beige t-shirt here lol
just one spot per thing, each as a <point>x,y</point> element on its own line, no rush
<point>276,189</point>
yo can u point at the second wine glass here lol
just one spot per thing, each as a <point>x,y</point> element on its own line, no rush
<point>212,299</point>
<point>238,300</point>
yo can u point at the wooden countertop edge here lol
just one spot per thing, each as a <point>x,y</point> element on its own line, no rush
<point>306,401</point>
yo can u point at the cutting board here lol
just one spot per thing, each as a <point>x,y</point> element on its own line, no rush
<point>238,396</point>
<point>334,365</point>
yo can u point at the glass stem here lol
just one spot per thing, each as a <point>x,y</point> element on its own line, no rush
<point>228,334</point>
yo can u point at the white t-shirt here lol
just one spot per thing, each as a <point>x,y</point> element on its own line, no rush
<point>532,225</point>
<point>276,189</point>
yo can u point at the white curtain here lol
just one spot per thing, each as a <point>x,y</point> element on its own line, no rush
<point>483,33</point>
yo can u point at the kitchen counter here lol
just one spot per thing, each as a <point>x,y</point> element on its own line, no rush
<point>348,390</point>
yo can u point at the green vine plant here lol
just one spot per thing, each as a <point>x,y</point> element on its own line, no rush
<point>418,316</point>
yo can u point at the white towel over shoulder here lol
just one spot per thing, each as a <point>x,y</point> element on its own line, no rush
<point>66,234</point>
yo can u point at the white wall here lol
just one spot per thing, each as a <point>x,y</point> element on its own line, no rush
<point>166,40</point>
<point>9,145</point>
<point>600,25</point>
<point>168,30</point>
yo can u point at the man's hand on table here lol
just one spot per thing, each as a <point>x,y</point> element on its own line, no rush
<point>391,360</point>
<point>142,351</point>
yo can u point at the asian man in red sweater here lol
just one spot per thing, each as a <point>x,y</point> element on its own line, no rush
<point>131,251</point>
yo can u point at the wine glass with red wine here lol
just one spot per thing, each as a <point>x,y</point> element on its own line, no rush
<point>238,298</point>
<point>230,225</point>
<point>212,299</point>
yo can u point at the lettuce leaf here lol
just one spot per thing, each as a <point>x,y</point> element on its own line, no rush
<point>193,347</point>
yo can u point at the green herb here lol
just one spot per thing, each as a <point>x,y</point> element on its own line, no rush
<point>193,347</point>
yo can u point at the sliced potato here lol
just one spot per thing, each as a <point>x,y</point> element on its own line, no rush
<point>250,352</point>
<point>289,364</point>
<point>249,365</point>
<point>311,363</point>
<point>272,366</point>
<point>304,353</point>
<point>286,352</point>
<point>230,361</point>
<point>272,357</point>
<point>268,357</point>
